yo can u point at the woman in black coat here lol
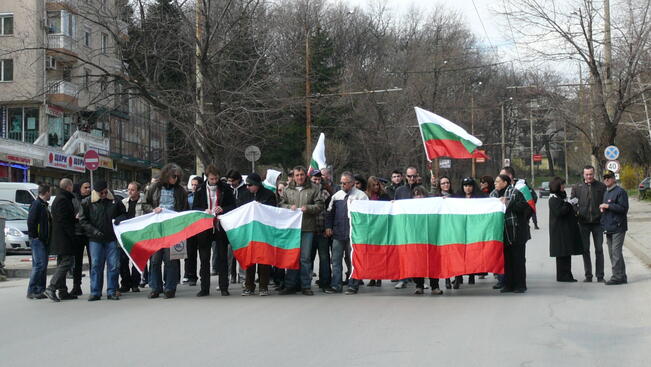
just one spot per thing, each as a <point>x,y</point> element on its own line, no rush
<point>564,235</point>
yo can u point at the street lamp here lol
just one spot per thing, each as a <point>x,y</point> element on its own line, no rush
<point>503,136</point>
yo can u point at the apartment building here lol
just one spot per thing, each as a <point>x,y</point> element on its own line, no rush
<point>58,98</point>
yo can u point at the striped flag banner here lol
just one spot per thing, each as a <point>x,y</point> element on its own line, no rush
<point>141,236</point>
<point>263,234</point>
<point>443,138</point>
<point>429,238</point>
<point>521,186</point>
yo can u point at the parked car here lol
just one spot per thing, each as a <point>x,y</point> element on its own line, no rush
<point>16,235</point>
<point>21,193</point>
<point>544,189</point>
<point>644,187</point>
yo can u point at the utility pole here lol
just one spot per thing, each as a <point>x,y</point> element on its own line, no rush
<point>533,176</point>
<point>503,138</point>
<point>308,92</point>
<point>472,128</point>
<point>199,79</point>
<point>608,60</point>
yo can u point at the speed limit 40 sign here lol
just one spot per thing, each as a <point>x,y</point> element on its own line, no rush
<point>613,166</point>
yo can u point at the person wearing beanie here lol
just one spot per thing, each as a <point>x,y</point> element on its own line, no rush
<point>256,192</point>
<point>98,212</point>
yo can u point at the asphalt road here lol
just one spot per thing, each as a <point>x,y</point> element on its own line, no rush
<point>553,324</point>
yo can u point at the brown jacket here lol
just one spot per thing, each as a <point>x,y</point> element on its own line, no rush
<point>310,197</point>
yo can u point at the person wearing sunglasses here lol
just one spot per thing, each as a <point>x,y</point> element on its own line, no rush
<point>166,193</point>
<point>614,209</point>
<point>99,212</point>
<point>405,191</point>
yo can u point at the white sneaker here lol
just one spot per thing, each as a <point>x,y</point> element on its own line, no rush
<point>401,284</point>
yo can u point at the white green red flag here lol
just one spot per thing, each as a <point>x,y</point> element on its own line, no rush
<point>521,186</point>
<point>443,138</point>
<point>426,238</point>
<point>263,234</point>
<point>141,236</point>
<point>271,179</point>
<point>318,156</point>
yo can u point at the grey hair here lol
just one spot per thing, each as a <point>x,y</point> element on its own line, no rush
<point>348,174</point>
<point>65,182</point>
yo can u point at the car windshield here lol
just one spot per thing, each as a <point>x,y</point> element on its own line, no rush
<point>11,211</point>
<point>34,192</point>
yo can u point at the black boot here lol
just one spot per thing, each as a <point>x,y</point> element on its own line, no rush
<point>448,283</point>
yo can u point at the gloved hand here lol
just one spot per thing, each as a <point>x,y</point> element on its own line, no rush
<point>117,221</point>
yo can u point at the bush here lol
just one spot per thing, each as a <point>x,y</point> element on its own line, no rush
<point>630,176</point>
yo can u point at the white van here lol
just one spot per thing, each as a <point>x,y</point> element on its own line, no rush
<point>22,193</point>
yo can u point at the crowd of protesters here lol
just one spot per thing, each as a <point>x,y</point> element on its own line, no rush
<point>81,219</point>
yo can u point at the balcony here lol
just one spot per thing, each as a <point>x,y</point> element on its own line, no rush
<point>61,47</point>
<point>123,29</point>
<point>63,94</point>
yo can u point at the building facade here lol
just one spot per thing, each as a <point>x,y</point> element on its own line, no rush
<point>61,95</point>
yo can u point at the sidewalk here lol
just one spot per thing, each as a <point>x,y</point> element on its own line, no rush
<point>638,237</point>
<point>20,266</point>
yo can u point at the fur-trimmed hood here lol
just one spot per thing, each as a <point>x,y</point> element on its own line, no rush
<point>94,196</point>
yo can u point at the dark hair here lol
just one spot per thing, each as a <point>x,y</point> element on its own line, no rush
<point>43,189</point>
<point>555,185</point>
<point>509,169</point>
<point>198,179</point>
<point>361,180</point>
<point>212,170</point>
<point>168,171</point>
<point>450,191</point>
<point>234,175</point>
<point>138,186</point>
<point>419,190</point>
<point>299,169</point>
<point>587,166</point>
<point>490,181</point>
<point>505,178</point>
<point>397,171</point>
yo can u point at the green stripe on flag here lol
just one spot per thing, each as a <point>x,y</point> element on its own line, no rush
<point>314,164</point>
<point>283,238</point>
<point>161,229</point>
<point>432,131</point>
<point>405,229</point>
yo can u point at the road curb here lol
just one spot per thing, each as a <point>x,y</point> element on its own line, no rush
<point>26,272</point>
<point>637,249</point>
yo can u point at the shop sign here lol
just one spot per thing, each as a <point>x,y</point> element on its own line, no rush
<point>54,111</point>
<point>21,160</point>
<point>65,161</point>
<point>106,162</point>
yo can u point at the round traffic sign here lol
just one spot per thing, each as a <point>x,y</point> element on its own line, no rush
<point>91,160</point>
<point>611,152</point>
<point>613,166</point>
<point>252,153</point>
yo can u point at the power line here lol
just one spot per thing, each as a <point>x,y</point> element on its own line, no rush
<point>481,21</point>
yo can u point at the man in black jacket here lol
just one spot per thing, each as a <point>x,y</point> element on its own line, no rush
<point>613,220</point>
<point>213,197</point>
<point>396,181</point>
<point>81,191</point>
<point>63,241</point>
<point>38,225</point>
<point>404,191</point>
<point>98,212</point>
<point>590,194</point>
<point>256,192</point>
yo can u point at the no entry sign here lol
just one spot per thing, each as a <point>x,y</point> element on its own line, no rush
<point>91,160</point>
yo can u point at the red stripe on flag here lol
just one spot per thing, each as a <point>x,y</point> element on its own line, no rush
<point>426,261</point>
<point>142,251</point>
<point>446,148</point>
<point>264,253</point>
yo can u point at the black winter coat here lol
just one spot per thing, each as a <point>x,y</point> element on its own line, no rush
<point>98,214</point>
<point>404,192</point>
<point>263,196</point>
<point>590,196</point>
<point>225,200</point>
<point>39,221</point>
<point>63,225</point>
<point>564,235</point>
<point>613,219</point>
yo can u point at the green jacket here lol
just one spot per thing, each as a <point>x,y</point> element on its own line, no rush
<point>310,196</point>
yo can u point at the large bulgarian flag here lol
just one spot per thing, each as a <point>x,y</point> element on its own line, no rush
<point>141,236</point>
<point>521,186</point>
<point>443,138</point>
<point>263,234</point>
<point>318,160</point>
<point>428,238</point>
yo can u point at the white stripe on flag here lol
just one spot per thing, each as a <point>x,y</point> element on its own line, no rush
<point>275,217</point>
<point>437,205</point>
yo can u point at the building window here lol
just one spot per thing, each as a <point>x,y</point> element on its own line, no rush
<point>6,24</point>
<point>6,70</point>
<point>61,22</point>
<point>23,124</point>
<point>59,130</point>
<point>104,43</point>
<point>87,36</point>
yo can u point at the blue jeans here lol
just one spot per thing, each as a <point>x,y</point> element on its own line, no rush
<point>37,280</point>
<point>305,271</point>
<point>171,271</point>
<point>321,245</point>
<point>338,249</point>
<point>104,253</point>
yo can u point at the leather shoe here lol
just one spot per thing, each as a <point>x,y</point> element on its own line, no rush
<point>169,294</point>
<point>287,291</point>
<point>135,289</point>
<point>350,291</point>
<point>330,291</point>
<point>615,282</point>
<point>94,298</point>
<point>113,297</point>
<point>51,294</point>
<point>225,293</point>
<point>124,289</point>
<point>307,292</point>
<point>76,291</point>
<point>31,296</point>
<point>587,280</point>
<point>153,295</point>
<point>202,293</point>
<point>519,290</point>
<point>506,290</point>
<point>64,296</point>
<point>499,285</point>
<point>601,280</point>
<point>419,291</point>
